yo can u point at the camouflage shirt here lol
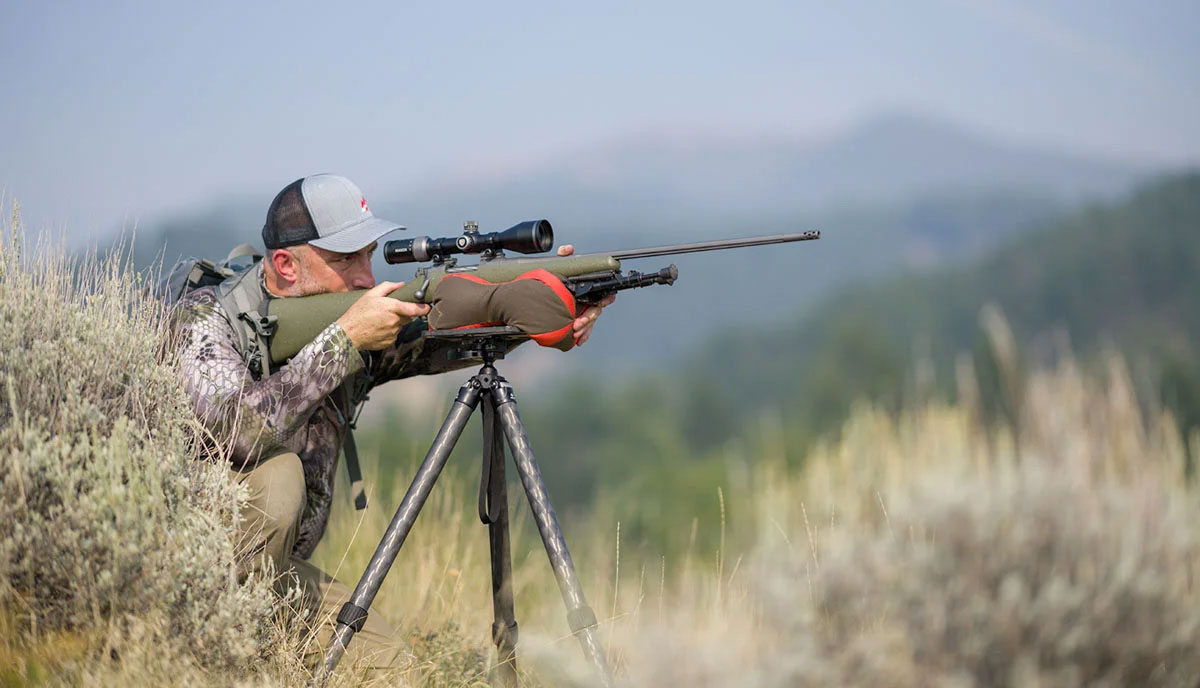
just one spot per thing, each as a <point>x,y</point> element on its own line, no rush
<point>303,407</point>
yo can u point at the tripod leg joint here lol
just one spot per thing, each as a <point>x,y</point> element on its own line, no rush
<point>504,635</point>
<point>503,393</point>
<point>353,616</point>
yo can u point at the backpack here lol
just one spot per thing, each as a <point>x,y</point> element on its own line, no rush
<point>239,293</point>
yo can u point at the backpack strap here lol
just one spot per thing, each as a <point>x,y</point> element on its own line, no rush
<point>353,393</point>
<point>242,298</point>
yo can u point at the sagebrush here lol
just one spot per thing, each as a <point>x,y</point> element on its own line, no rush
<point>112,532</point>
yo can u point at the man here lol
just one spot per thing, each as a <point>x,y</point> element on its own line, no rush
<point>283,430</point>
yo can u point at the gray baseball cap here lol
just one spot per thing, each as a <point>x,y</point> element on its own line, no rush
<point>324,210</point>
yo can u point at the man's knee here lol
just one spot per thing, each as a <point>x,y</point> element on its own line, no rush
<point>277,495</point>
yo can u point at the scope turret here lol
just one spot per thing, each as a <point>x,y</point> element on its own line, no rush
<point>531,236</point>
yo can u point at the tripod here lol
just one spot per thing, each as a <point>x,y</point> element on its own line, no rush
<point>486,390</point>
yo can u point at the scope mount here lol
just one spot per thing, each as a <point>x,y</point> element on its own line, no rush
<point>469,236</point>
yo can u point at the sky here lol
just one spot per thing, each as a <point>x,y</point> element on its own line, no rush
<point>118,113</point>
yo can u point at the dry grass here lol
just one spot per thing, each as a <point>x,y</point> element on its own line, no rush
<point>924,549</point>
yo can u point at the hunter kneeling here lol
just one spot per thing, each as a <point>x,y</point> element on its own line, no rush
<point>282,430</point>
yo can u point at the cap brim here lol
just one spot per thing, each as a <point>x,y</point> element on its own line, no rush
<point>356,238</point>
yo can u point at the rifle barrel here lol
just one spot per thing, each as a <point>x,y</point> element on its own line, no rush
<point>718,245</point>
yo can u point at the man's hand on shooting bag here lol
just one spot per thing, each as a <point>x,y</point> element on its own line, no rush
<point>374,321</point>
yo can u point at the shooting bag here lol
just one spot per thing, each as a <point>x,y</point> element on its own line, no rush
<point>537,303</point>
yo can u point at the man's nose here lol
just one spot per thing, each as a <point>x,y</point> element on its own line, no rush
<point>363,278</point>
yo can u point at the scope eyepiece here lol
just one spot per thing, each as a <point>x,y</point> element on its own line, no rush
<point>531,236</point>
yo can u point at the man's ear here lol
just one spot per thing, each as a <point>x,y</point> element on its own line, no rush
<point>286,265</point>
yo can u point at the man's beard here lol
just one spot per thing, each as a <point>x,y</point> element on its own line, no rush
<point>305,284</point>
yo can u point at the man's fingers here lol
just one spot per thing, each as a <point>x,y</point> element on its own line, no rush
<point>587,318</point>
<point>581,337</point>
<point>586,322</point>
<point>411,310</point>
<point>404,308</point>
<point>566,250</point>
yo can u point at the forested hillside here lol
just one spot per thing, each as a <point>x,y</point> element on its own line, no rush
<point>1125,275</point>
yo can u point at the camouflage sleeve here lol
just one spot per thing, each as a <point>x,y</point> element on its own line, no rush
<point>250,418</point>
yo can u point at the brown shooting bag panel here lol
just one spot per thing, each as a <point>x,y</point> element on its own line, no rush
<point>537,303</point>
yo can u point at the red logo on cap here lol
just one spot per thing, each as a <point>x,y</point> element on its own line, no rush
<point>365,209</point>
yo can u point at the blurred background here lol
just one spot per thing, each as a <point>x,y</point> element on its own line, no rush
<point>954,442</point>
<point>1035,156</point>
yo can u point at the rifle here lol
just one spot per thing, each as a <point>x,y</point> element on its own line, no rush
<point>588,277</point>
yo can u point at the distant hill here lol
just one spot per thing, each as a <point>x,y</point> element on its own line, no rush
<point>658,180</point>
<point>654,185</point>
<point>895,192</point>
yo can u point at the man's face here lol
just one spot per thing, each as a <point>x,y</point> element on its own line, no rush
<point>322,271</point>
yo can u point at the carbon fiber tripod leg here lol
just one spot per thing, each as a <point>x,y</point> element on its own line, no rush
<point>580,616</point>
<point>494,512</point>
<point>354,612</point>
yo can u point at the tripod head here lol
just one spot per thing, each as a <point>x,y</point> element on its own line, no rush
<point>486,344</point>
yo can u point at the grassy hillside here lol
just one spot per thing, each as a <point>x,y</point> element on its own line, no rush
<point>915,547</point>
<point>918,548</point>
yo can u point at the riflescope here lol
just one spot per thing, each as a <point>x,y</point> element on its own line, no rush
<point>531,236</point>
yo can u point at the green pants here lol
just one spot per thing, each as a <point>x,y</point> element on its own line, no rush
<point>268,528</point>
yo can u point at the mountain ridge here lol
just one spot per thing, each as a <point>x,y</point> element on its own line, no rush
<point>663,182</point>
<point>736,186</point>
